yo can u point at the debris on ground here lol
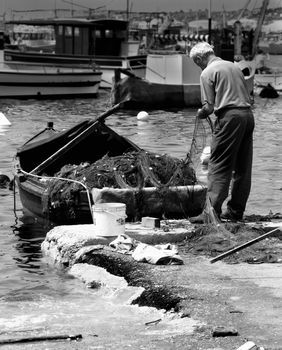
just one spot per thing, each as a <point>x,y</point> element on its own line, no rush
<point>160,254</point>
<point>222,331</point>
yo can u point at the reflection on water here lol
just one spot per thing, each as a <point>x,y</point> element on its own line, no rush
<point>3,129</point>
<point>30,237</point>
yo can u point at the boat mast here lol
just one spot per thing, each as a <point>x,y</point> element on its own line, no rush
<point>210,22</point>
<point>127,18</point>
<point>127,10</point>
<point>259,26</point>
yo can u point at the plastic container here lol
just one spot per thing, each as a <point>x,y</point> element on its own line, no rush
<point>109,219</point>
<point>249,345</point>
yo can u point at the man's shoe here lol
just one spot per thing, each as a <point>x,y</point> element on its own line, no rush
<point>200,219</point>
<point>229,216</point>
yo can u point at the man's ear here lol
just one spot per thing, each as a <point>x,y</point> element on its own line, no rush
<point>197,59</point>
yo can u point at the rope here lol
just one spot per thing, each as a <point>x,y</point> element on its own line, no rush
<point>63,179</point>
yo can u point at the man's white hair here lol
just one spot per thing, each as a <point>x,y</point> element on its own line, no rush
<point>202,49</point>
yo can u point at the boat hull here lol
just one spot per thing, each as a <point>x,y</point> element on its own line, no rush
<point>174,202</point>
<point>47,83</point>
<point>178,202</point>
<point>106,64</point>
<point>142,93</point>
<point>275,48</point>
<point>33,197</point>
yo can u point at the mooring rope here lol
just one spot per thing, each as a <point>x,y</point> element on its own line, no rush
<point>63,179</point>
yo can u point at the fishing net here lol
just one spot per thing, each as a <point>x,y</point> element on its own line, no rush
<point>200,141</point>
<point>130,170</point>
<point>135,170</point>
<point>214,230</point>
<point>202,242</point>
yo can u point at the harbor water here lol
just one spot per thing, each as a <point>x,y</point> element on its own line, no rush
<point>32,292</point>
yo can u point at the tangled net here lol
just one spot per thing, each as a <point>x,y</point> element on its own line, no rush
<point>129,170</point>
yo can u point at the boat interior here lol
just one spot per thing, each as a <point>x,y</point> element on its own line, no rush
<point>88,141</point>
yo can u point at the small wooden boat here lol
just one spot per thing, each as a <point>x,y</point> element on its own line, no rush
<point>28,81</point>
<point>45,154</point>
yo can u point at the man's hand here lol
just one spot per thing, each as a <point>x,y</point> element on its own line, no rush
<point>201,113</point>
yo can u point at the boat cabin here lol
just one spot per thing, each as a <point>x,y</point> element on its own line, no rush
<point>98,37</point>
<point>101,37</point>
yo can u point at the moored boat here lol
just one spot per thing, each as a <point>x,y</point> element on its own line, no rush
<point>41,158</point>
<point>28,81</point>
<point>100,42</point>
<point>273,78</point>
<point>171,80</point>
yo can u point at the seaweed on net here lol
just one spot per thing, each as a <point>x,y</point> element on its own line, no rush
<point>130,170</point>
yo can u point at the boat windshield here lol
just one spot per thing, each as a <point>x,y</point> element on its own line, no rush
<point>30,34</point>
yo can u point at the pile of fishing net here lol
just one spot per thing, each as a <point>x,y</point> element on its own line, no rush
<point>212,241</point>
<point>135,170</point>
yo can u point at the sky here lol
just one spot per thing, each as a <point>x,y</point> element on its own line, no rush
<point>137,5</point>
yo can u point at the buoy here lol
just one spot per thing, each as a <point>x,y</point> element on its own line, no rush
<point>4,120</point>
<point>142,115</point>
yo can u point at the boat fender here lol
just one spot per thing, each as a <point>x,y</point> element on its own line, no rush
<point>4,120</point>
<point>143,115</point>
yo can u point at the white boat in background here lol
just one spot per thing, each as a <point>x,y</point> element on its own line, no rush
<point>171,80</point>
<point>27,81</point>
<point>274,79</point>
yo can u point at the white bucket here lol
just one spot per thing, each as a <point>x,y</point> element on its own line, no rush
<point>109,219</point>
